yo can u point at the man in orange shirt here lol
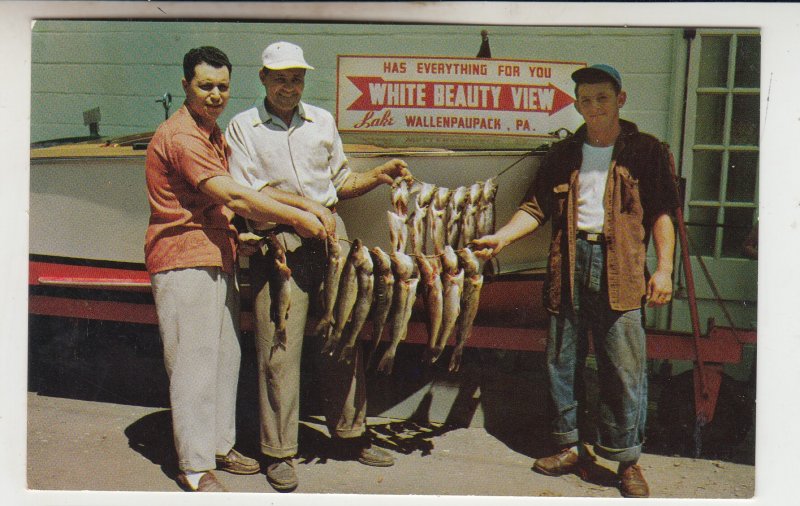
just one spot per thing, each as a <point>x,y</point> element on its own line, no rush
<point>190,254</point>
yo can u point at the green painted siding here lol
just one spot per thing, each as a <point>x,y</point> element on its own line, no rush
<point>122,67</point>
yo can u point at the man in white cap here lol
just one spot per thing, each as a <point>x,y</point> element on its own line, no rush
<point>292,151</point>
<point>605,190</point>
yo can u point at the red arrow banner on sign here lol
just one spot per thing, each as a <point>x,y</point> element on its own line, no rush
<point>378,94</point>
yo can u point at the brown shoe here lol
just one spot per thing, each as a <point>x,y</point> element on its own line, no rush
<point>208,483</point>
<point>376,457</point>
<point>564,462</point>
<point>281,475</point>
<point>362,450</point>
<point>632,482</point>
<point>236,463</point>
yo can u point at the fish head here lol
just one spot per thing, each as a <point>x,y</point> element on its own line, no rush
<point>402,265</point>
<point>475,193</point>
<point>334,248</point>
<point>459,197</point>
<point>441,197</point>
<point>355,247</point>
<point>400,195</point>
<point>362,258</point>
<point>449,259</point>
<point>490,189</point>
<point>380,259</point>
<point>468,261</point>
<point>426,192</point>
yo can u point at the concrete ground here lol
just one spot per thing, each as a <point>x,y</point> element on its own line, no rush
<point>96,446</point>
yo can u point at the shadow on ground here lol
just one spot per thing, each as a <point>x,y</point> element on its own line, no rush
<point>122,363</point>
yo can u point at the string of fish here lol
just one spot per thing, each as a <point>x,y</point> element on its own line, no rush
<point>383,286</point>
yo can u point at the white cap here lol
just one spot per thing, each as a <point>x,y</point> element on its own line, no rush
<point>284,55</point>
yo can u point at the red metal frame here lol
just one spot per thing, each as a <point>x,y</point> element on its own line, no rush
<point>511,317</point>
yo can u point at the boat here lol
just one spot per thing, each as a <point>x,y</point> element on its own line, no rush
<point>89,213</point>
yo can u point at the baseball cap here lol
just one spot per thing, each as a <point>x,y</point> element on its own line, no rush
<point>284,55</point>
<point>587,73</point>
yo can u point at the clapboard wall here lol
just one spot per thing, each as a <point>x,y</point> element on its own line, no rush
<point>123,67</point>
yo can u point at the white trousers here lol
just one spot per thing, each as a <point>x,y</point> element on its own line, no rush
<point>198,317</point>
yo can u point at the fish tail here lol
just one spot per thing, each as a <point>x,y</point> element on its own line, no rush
<point>332,342</point>
<point>347,354</point>
<point>328,346</point>
<point>324,327</point>
<point>455,359</point>
<point>432,354</point>
<point>387,363</point>
<point>279,339</point>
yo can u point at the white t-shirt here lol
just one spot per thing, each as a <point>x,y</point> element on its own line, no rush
<point>592,187</point>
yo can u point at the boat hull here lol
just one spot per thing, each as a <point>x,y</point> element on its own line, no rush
<point>89,213</point>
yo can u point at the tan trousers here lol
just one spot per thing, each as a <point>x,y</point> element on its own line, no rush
<point>342,385</point>
<point>198,317</point>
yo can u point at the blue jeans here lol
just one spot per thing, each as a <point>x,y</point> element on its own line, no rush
<point>620,350</point>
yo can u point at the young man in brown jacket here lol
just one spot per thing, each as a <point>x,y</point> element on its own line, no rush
<point>605,189</point>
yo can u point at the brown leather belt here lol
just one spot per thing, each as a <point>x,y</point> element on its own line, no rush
<point>280,228</point>
<point>591,236</point>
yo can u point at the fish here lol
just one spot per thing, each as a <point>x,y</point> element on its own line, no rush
<point>425,194</point>
<point>437,220</point>
<point>441,197</point>
<point>470,228</point>
<point>366,282</point>
<point>470,299</point>
<point>455,208</point>
<point>453,285</point>
<point>383,292</point>
<point>398,231</point>
<point>405,293</point>
<point>486,208</point>
<point>432,295</point>
<point>475,193</point>
<point>417,229</point>
<point>346,299</point>
<point>330,287</point>
<point>280,290</point>
<point>469,225</point>
<point>400,196</point>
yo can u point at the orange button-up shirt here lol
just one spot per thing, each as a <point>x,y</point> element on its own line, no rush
<point>187,228</point>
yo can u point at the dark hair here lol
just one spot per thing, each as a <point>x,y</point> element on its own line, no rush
<point>596,78</point>
<point>205,54</point>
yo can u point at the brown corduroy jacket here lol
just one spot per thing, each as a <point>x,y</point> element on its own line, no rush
<point>639,189</point>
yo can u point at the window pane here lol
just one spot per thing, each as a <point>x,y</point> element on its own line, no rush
<point>748,62</point>
<point>714,61</point>
<point>738,223</point>
<point>710,119</point>
<point>702,229</point>
<point>706,175</point>
<point>744,126</point>
<point>742,172</point>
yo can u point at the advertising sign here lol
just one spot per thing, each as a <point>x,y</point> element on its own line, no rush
<point>455,95</point>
